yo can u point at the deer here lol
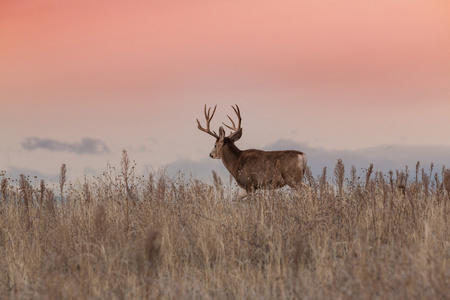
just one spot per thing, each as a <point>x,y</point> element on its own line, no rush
<point>254,169</point>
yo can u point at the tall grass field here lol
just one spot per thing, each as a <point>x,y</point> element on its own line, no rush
<point>124,235</point>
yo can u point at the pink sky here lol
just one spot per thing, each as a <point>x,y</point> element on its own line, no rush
<point>135,75</point>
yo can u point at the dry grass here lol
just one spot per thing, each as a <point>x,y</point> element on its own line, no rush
<point>123,236</point>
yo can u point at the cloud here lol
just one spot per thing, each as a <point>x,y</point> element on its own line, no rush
<point>384,159</point>
<point>14,172</point>
<point>86,146</point>
<point>201,169</point>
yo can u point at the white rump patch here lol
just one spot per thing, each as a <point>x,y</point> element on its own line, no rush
<point>302,161</point>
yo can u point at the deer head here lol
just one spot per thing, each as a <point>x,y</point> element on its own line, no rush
<point>222,142</point>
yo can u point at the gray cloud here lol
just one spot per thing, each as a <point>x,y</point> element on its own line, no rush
<point>14,172</point>
<point>384,158</point>
<point>86,146</point>
<point>201,169</point>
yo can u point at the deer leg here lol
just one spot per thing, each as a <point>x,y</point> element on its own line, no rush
<point>249,192</point>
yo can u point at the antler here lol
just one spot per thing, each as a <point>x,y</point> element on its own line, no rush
<point>238,113</point>
<point>208,120</point>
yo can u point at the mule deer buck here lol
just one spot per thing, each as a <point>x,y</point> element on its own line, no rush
<point>254,169</point>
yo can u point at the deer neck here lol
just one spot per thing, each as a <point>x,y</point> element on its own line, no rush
<point>230,158</point>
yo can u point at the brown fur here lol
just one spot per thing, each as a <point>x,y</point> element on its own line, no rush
<point>254,169</point>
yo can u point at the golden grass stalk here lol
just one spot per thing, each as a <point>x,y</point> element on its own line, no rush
<point>183,238</point>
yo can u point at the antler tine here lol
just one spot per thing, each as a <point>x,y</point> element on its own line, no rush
<point>233,127</point>
<point>208,121</point>
<point>238,113</point>
<point>209,110</point>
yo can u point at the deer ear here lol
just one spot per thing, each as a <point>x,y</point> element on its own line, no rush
<point>236,135</point>
<point>221,133</point>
